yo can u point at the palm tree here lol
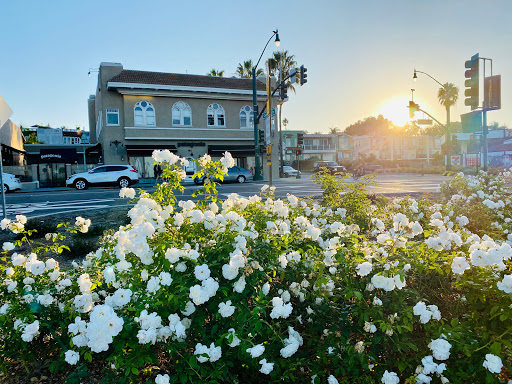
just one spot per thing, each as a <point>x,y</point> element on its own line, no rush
<point>244,70</point>
<point>216,72</point>
<point>334,130</point>
<point>285,122</point>
<point>448,96</point>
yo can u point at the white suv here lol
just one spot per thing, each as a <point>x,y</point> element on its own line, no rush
<point>11,182</point>
<point>120,175</point>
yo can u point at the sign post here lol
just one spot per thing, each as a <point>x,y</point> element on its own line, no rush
<point>5,113</point>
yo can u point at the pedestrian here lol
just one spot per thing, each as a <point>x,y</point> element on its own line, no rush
<point>157,170</point>
<point>252,171</point>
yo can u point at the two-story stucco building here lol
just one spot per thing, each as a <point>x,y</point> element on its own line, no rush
<point>136,112</point>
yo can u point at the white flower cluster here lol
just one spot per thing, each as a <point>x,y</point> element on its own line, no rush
<point>388,283</point>
<point>152,329</point>
<point>493,363</point>
<point>165,156</point>
<point>429,367</point>
<point>487,253</point>
<point>426,312</point>
<point>291,343</point>
<point>212,353</point>
<point>99,332</point>
<point>440,349</point>
<point>82,224</point>
<point>29,331</point>
<point>14,226</point>
<point>280,309</point>
<point>127,192</point>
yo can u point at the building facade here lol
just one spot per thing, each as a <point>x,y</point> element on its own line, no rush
<point>135,112</point>
<point>397,147</point>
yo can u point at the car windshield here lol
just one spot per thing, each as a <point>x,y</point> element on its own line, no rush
<point>329,163</point>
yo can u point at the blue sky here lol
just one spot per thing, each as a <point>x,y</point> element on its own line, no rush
<point>360,55</point>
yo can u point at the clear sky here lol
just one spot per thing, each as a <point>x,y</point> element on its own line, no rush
<point>360,55</point>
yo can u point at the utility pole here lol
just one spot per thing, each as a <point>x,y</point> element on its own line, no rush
<point>269,117</point>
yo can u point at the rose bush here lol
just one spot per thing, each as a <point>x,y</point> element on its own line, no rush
<point>258,289</point>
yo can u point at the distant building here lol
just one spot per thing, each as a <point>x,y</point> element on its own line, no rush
<point>397,147</point>
<point>55,136</point>
<point>12,141</point>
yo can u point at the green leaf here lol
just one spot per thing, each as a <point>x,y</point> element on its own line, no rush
<point>135,371</point>
<point>495,348</point>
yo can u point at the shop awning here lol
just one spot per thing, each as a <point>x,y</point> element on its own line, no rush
<point>58,155</point>
<point>147,150</point>
<point>94,149</point>
<point>235,150</point>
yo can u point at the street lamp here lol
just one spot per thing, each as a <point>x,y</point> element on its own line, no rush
<point>257,168</point>
<point>447,128</point>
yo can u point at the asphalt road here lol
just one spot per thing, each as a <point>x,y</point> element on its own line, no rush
<point>43,203</point>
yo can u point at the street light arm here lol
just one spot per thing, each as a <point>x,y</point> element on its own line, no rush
<point>433,118</point>
<point>415,71</point>
<point>275,33</point>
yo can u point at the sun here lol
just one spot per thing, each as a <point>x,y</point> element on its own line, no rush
<point>395,110</point>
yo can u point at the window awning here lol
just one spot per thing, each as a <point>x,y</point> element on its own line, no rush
<point>147,150</point>
<point>94,149</point>
<point>235,150</point>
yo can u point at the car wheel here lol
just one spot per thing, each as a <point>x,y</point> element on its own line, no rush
<point>123,182</point>
<point>241,179</point>
<point>6,188</point>
<point>81,184</point>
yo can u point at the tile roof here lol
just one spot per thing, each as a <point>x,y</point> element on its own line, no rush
<point>162,78</point>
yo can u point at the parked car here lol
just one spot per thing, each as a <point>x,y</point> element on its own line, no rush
<point>120,175</point>
<point>331,166</point>
<point>235,173</point>
<point>290,171</point>
<point>11,182</point>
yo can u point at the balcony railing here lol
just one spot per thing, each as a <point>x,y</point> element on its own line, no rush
<point>320,147</point>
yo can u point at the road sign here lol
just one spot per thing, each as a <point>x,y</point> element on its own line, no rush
<point>424,121</point>
<point>269,154</point>
<point>265,114</point>
<point>492,92</point>
<point>471,122</point>
<point>268,134</point>
<point>5,111</point>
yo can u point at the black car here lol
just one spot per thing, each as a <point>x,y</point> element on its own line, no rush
<point>331,166</point>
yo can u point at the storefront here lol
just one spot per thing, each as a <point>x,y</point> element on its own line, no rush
<point>52,165</point>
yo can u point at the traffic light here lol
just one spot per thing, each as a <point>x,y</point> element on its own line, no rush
<point>261,136</point>
<point>303,75</point>
<point>413,107</point>
<point>300,139</point>
<point>472,76</point>
<point>283,91</point>
<point>471,137</point>
<point>297,152</point>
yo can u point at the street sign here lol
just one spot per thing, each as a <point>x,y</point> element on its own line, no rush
<point>269,154</point>
<point>471,122</point>
<point>424,121</point>
<point>268,134</point>
<point>492,92</point>
<point>5,111</point>
<point>265,114</point>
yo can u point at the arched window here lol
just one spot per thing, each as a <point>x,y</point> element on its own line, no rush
<point>246,117</point>
<point>144,114</point>
<point>215,114</point>
<point>181,114</point>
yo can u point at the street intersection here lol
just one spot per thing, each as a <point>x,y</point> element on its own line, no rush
<point>53,202</point>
